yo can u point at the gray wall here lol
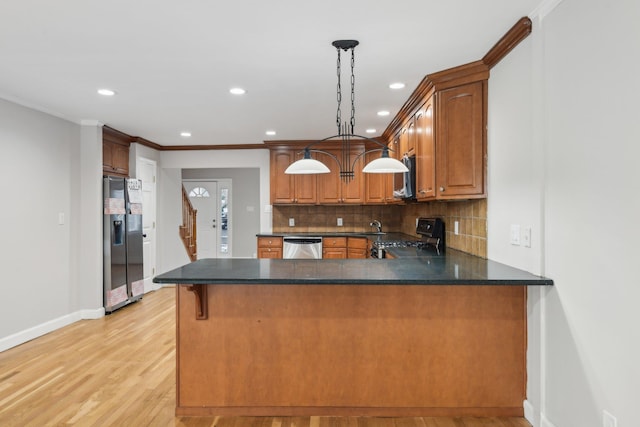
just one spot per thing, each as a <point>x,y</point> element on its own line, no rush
<point>245,200</point>
<point>51,259</point>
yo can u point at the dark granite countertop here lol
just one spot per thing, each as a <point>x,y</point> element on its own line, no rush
<point>415,267</point>
<point>392,235</point>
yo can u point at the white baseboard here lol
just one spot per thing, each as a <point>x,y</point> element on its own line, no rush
<point>46,327</point>
<point>96,313</point>
<point>529,413</point>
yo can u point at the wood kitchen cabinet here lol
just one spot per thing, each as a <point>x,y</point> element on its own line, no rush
<point>115,152</point>
<point>461,141</point>
<point>357,247</point>
<point>334,247</point>
<point>425,152</point>
<point>332,189</point>
<point>379,186</point>
<point>290,189</point>
<point>270,247</point>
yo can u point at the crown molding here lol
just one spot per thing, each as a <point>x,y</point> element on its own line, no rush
<point>511,39</point>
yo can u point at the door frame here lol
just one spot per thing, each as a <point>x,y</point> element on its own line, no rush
<point>222,183</point>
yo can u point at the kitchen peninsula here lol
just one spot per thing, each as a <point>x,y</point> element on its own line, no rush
<point>435,334</point>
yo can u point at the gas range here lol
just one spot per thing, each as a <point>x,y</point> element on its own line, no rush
<point>400,244</point>
<point>432,235</point>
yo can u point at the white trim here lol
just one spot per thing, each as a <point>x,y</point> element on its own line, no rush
<point>529,412</point>
<point>46,327</point>
<point>544,8</point>
<point>544,422</point>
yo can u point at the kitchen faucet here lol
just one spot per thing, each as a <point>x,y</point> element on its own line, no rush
<point>376,223</point>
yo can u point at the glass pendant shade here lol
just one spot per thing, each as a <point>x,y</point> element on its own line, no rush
<point>385,164</point>
<point>307,165</point>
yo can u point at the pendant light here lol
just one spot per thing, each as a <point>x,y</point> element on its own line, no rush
<point>384,164</point>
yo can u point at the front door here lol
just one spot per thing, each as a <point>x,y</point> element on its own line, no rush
<point>203,196</point>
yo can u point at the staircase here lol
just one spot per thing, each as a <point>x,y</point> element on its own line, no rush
<point>188,227</point>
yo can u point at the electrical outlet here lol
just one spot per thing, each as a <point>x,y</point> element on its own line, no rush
<point>608,420</point>
<point>339,222</point>
<point>292,222</point>
<point>456,228</point>
<point>515,235</point>
<point>526,237</point>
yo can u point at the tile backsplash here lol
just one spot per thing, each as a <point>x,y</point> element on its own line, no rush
<point>471,216</point>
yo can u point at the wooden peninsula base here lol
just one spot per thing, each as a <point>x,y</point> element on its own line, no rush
<point>371,350</point>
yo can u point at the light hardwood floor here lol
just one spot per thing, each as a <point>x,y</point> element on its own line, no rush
<point>120,371</point>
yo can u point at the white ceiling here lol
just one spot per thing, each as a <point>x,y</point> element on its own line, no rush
<point>172,62</point>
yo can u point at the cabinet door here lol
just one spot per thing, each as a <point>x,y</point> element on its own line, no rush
<point>282,185</point>
<point>357,247</point>
<point>425,150</point>
<point>460,141</point>
<point>305,186</point>
<point>332,188</point>
<point>403,139</point>
<point>353,191</point>
<point>120,158</point>
<point>394,180</point>
<point>115,158</point>
<point>334,253</point>
<point>273,253</point>
<point>375,183</point>
<point>329,183</point>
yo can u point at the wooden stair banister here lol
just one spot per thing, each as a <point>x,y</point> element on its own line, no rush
<point>188,231</point>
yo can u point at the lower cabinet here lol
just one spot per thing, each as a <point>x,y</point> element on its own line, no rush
<point>357,247</point>
<point>334,247</point>
<point>269,247</point>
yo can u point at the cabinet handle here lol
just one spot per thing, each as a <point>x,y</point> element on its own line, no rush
<point>441,189</point>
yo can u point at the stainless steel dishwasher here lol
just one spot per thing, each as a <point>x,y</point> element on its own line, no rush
<point>295,247</point>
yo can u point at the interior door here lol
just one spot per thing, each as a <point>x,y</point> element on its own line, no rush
<point>204,198</point>
<point>146,171</point>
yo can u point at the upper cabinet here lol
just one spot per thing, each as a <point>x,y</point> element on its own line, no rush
<point>115,152</point>
<point>332,188</point>
<point>290,189</point>
<point>425,151</point>
<point>444,124</point>
<point>460,142</point>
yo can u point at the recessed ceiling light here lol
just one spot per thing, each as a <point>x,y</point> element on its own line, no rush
<point>185,134</point>
<point>270,132</point>
<point>106,92</point>
<point>383,113</point>
<point>397,85</point>
<point>237,91</point>
<point>370,130</point>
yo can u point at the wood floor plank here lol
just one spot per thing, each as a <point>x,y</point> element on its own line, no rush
<point>120,371</point>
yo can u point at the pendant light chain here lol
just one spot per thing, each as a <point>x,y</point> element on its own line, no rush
<point>347,157</point>
<point>339,95</point>
<point>353,92</point>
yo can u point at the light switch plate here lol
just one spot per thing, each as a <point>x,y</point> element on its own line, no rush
<point>515,235</point>
<point>292,222</point>
<point>339,222</point>
<point>526,237</point>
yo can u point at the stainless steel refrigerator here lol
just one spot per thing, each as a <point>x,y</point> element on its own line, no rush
<point>122,232</point>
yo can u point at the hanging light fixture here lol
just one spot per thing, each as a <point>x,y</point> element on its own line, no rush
<point>384,164</point>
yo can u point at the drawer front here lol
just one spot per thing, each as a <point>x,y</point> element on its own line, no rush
<point>269,242</point>
<point>334,242</point>
<point>357,243</point>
